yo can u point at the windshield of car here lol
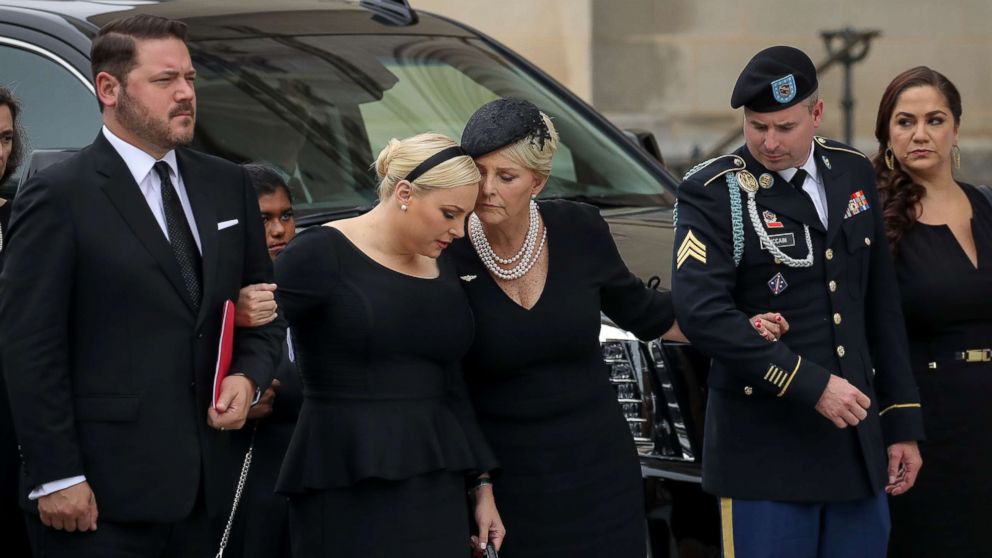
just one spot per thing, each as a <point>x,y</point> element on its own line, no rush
<point>320,108</point>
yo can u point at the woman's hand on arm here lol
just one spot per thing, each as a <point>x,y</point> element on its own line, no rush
<point>771,326</point>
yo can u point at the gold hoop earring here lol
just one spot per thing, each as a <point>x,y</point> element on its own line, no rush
<point>889,159</point>
<point>956,154</point>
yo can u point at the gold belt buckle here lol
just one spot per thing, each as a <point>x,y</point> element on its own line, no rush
<point>978,355</point>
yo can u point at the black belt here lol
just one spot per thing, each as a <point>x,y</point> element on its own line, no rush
<point>967,355</point>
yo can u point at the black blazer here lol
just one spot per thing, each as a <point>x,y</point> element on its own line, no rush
<point>108,367</point>
<point>763,437</point>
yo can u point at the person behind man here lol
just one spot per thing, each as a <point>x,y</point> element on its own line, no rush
<point>804,437</point>
<point>932,216</point>
<point>11,136</point>
<point>264,515</point>
<point>11,150</point>
<point>119,261</point>
<point>11,153</point>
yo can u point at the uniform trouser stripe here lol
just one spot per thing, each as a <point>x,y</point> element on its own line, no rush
<point>727,520</point>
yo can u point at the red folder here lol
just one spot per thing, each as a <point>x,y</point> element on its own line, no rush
<point>225,348</point>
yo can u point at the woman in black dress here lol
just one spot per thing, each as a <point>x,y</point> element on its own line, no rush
<point>386,436</point>
<point>537,276</point>
<point>11,153</point>
<point>941,232</point>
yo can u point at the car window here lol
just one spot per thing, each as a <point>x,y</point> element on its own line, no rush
<point>405,98</point>
<point>59,110</point>
<point>321,107</point>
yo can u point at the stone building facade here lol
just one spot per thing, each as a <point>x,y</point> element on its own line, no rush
<point>669,65</point>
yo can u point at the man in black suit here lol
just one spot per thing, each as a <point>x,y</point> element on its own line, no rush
<point>804,437</point>
<point>118,264</point>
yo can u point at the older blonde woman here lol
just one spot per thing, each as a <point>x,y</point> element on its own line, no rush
<point>538,274</point>
<point>386,438</point>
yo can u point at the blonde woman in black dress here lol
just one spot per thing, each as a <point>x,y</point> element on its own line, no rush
<point>386,439</point>
<point>941,232</point>
<point>538,274</point>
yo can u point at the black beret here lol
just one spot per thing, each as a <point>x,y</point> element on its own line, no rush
<point>503,122</point>
<point>776,78</point>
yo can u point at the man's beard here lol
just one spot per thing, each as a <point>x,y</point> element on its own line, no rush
<point>139,121</point>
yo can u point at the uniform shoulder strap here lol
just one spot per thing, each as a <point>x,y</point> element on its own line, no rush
<point>838,146</point>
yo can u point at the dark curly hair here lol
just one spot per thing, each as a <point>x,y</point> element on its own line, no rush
<point>899,194</point>
<point>16,155</point>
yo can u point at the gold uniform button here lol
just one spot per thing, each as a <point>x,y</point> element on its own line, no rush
<point>748,390</point>
<point>867,241</point>
<point>777,261</point>
<point>840,350</point>
<point>830,254</point>
<point>837,319</point>
<point>832,286</point>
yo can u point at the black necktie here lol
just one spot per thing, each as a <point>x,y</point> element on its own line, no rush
<point>798,180</point>
<point>180,236</point>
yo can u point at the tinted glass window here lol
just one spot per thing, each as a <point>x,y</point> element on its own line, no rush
<point>321,108</point>
<point>58,110</point>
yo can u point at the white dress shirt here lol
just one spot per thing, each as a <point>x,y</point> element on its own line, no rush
<point>141,166</point>
<point>813,185</point>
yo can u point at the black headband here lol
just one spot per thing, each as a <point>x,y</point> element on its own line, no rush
<point>435,160</point>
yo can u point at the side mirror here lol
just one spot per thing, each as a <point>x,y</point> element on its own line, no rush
<point>646,141</point>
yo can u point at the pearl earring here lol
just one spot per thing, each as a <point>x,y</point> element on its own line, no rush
<point>533,196</point>
<point>403,207</point>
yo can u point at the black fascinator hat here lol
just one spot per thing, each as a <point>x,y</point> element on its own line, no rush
<point>503,122</point>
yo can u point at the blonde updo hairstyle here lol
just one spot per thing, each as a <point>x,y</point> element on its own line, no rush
<point>528,153</point>
<point>399,157</point>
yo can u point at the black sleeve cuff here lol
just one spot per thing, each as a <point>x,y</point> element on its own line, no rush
<point>805,383</point>
<point>902,422</point>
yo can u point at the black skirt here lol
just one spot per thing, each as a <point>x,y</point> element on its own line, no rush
<point>425,516</point>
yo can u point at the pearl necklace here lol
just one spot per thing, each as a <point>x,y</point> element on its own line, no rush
<point>528,255</point>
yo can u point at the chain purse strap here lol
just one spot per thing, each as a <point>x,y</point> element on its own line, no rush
<point>237,493</point>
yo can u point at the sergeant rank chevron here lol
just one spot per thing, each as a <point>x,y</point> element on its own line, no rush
<point>691,248</point>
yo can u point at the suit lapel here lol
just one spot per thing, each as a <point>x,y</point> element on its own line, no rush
<point>782,197</point>
<point>838,193</point>
<point>205,215</point>
<point>118,185</point>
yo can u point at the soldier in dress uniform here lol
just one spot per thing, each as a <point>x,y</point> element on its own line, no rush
<point>804,437</point>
